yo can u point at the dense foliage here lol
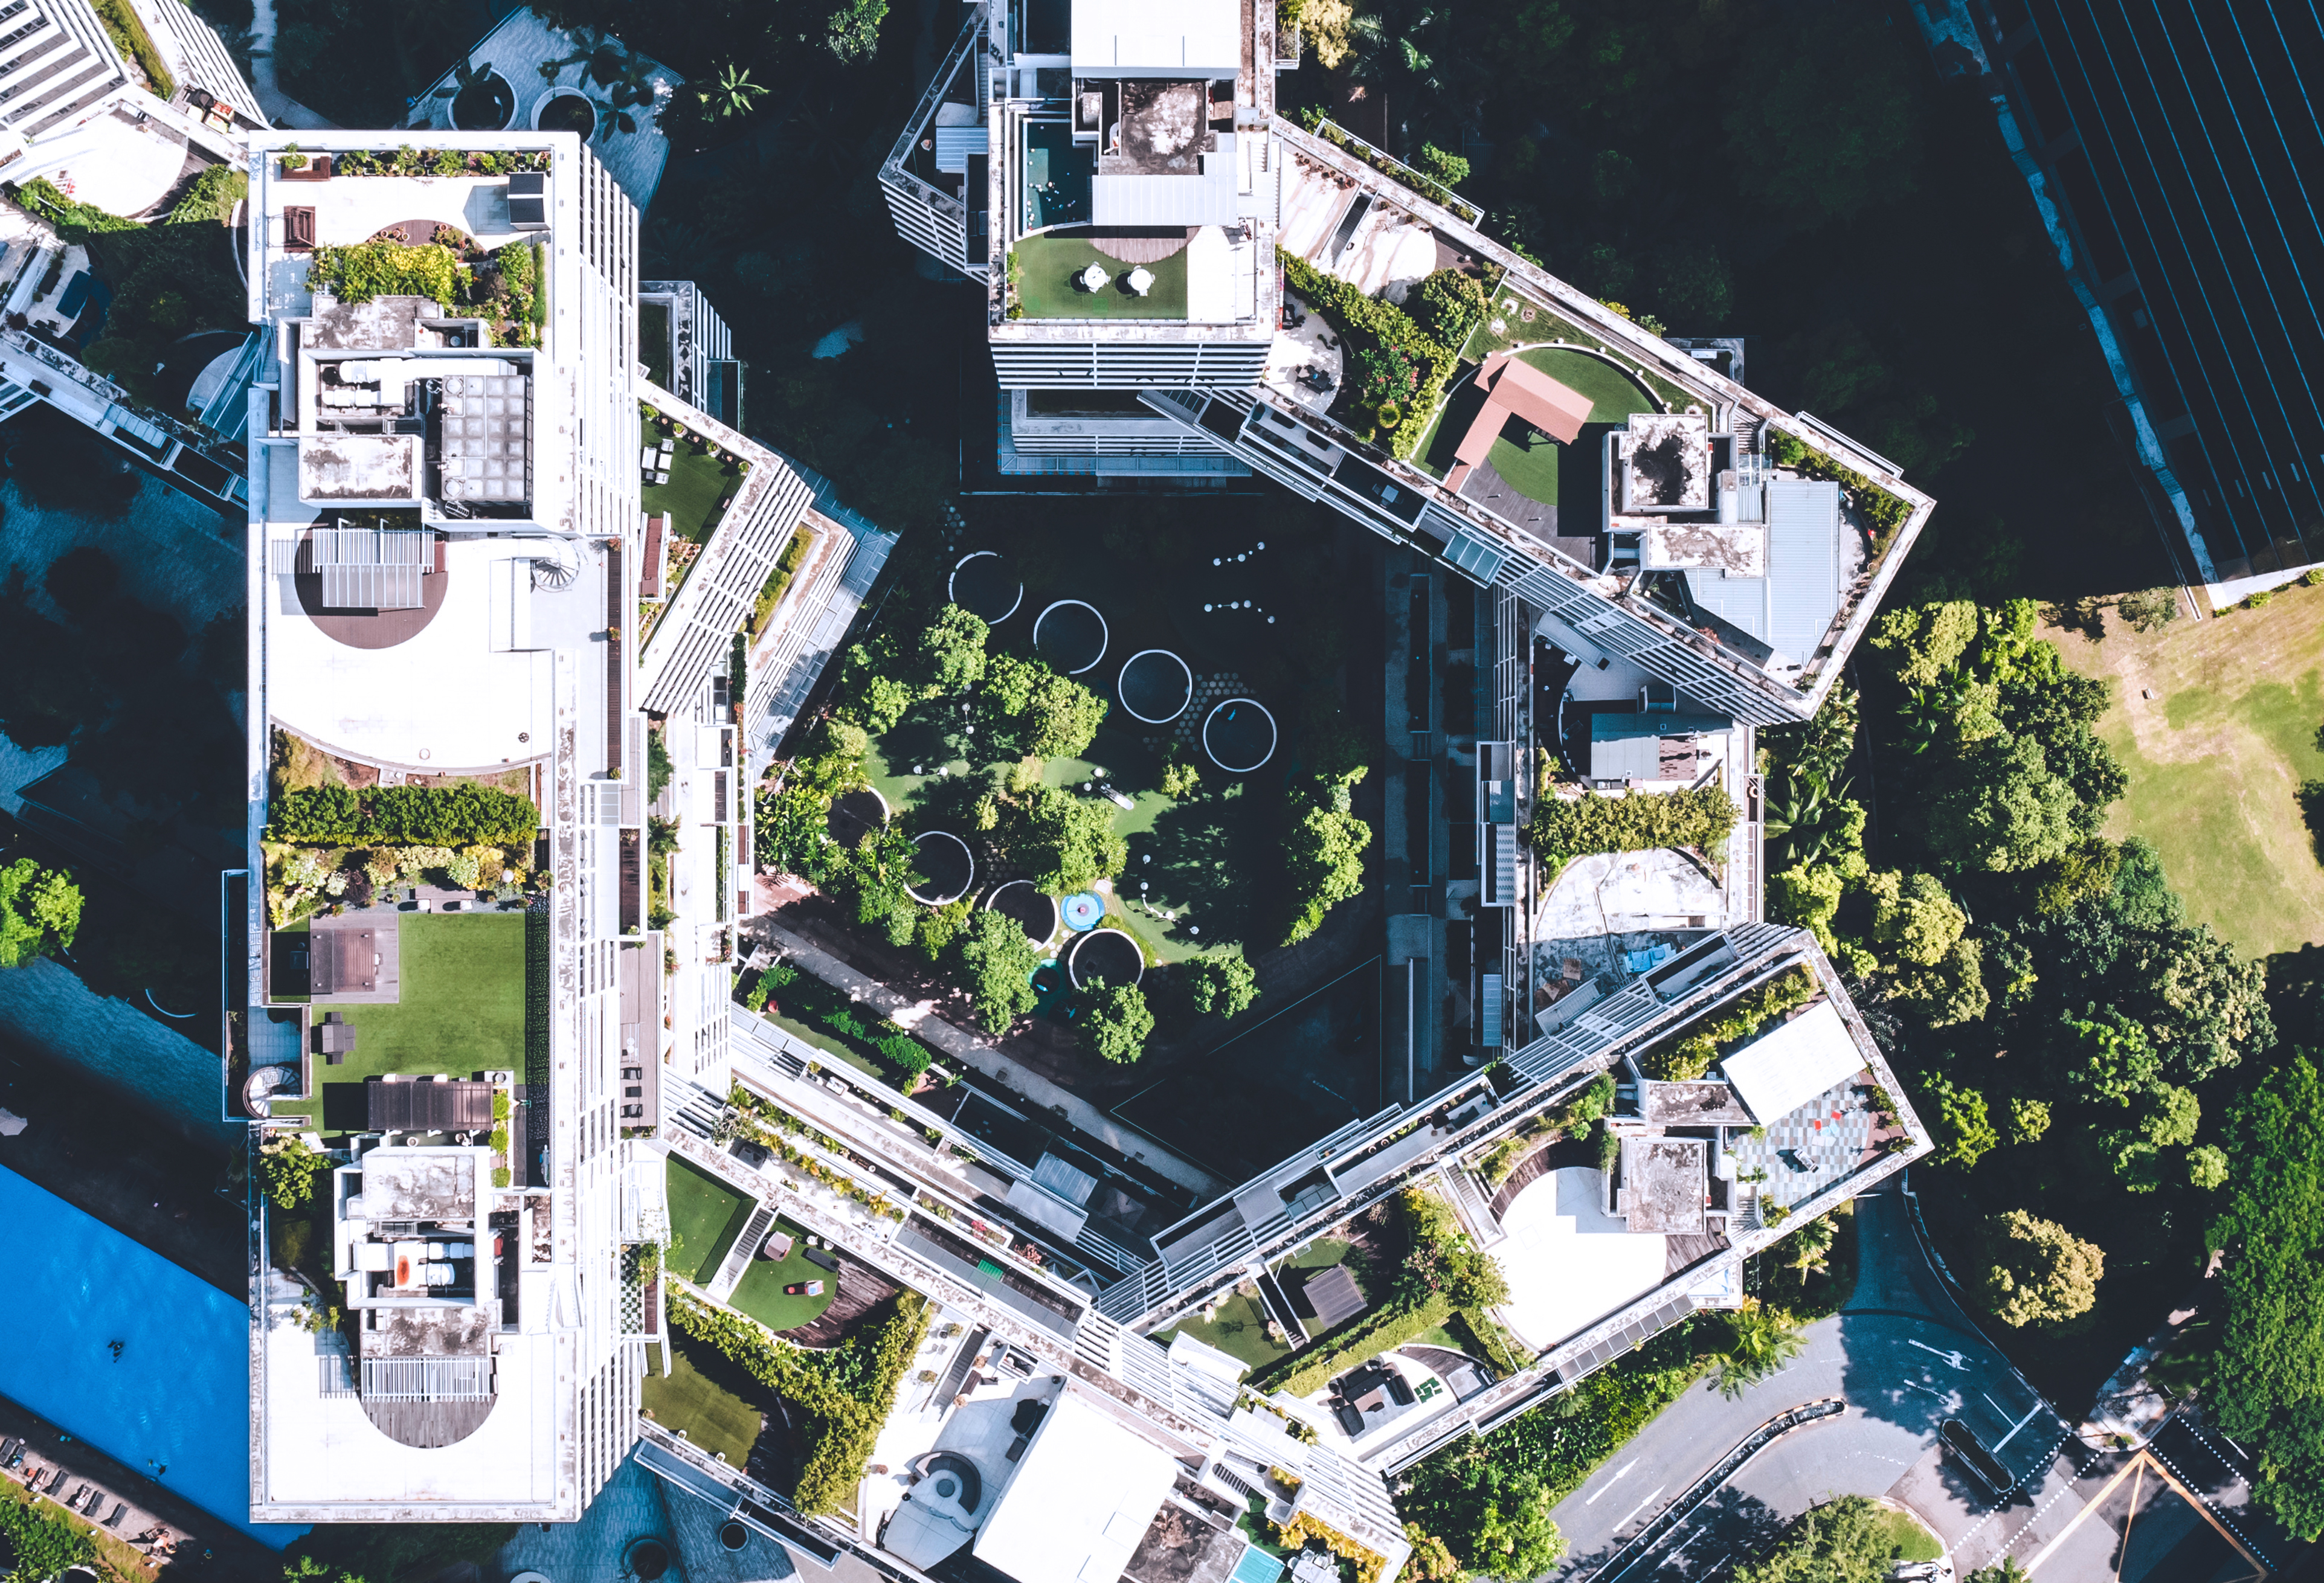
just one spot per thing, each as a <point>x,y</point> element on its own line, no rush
<point>366,270</point>
<point>288,1169</point>
<point>1115,1020</point>
<point>1397,361</point>
<point>1324,850</point>
<point>40,1541</point>
<point>40,911</point>
<point>1845,1541</point>
<point>404,816</point>
<point>846,1393</point>
<point>1566,827</point>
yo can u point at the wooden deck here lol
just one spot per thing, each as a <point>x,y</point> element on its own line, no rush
<point>862,1289</point>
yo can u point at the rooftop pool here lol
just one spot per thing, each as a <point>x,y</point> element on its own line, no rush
<point>177,1397</point>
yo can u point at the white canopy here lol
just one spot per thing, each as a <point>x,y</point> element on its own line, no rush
<point>1778,1073</point>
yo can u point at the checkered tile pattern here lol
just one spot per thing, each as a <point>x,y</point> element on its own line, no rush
<point>1827,1136</point>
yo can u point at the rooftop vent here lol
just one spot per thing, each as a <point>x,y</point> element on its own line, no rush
<point>528,201</point>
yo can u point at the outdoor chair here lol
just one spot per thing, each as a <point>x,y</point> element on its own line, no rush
<point>120,1510</point>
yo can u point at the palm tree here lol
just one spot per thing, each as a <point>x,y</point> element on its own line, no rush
<point>1760,1341</point>
<point>734,93</point>
<point>1798,817</point>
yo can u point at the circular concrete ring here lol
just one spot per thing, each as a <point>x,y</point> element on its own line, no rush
<point>966,859</point>
<point>1086,957</point>
<point>951,586</point>
<point>1104,635</point>
<point>1020,901</point>
<point>1231,709</point>
<point>1121,686</point>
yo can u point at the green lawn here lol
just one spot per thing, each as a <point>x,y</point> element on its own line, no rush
<point>460,1012</point>
<point>760,1292</point>
<point>2216,758</point>
<point>1240,1332</point>
<point>1319,1255</point>
<point>705,1216</point>
<point>1530,463</point>
<point>1908,1537</point>
<point>1044,268</point>
<point>697,485</point>
<point>712,1417</point>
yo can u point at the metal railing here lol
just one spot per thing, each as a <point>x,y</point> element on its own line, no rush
<point>1640,1543</point>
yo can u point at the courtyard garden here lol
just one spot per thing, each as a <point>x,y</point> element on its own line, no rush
<point>704,1403</point>
<point>764,1292</point>
<point>1048,273</point>
<point>1204,813</point>
<point>705,1216</point>
<point>693,484</point>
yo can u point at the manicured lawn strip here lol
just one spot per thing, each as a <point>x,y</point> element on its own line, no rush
<point>1908,1537</point>
<point>697,485</point>
<point>2217,756</point>
<point>712,1417</point>
<point>1045,270</point>
<point>1528,466</point>
<point>707,1216</point>
<point>760,1292</point>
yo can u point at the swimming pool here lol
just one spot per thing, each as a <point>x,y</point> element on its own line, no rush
<point>178,1396</point>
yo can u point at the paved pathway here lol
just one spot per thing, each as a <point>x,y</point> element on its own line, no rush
<point>281,108</point>
<point>1905,1357</point>
<point>969,1050</point>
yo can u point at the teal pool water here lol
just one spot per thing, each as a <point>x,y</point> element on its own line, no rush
<point>178,1396</point>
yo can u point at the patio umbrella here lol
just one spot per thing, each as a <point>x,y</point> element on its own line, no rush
<point>1141,279</point>
<point>1092,279</point>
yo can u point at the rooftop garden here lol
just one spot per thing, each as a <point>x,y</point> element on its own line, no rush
<point>460,1011</point>
<point>1048,279</point>
<point>1528,460</point>
<point>776,1291</point>
<point>700,1399</point>
<point>705,1216</point>
<point>503,286</point>
<point>703,479</point>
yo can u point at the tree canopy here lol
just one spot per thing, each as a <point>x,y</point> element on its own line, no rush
<point>2038,1273</point>
<point>40,911</point>
<point>1845,1540</point>
<point>1115,1019</point>
<point>1000,962</point>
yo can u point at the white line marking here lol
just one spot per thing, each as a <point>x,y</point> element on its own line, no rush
<point>1994,1404</point>
<point>1679,1548</point>
<point>1611,1477</point>
<point>1639,1507</point>
<point>1951,1359</point>
<point>2021,1423</point>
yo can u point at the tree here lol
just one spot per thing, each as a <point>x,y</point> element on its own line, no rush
<point>1323,25</point>
<point>1515,1540</point>
<point>2040,1273</point>
<point>2028,1119</point>
<point>1949,991</point>
<point>1116,1020</point>
<point>1065,843</point>
<point>1323,861</point>
<point>853,33</point>
<point>2105,1057</point>
<point>1047,715</point>
<point>791,835</point>
<point>2149,610</point>
<point>2004,1570</point>
<point>733,93</point>
<point>1844,1542</point>
<point>1223,983</point>
<point>1760,1340</point>
<point>40,912</point>
<point>879,872</point>
<point>952,651</point>
<point>288,1169</point>
<point>1449,169</point>
<point>2207,1168</point>
<point>1965,1133</point>
<point>1923,641</point>
<point>999,963</point>
<point>1913,917</point>
<point>2002,809</point>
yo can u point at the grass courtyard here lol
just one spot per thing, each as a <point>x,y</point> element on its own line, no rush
<point>2217,756</point>
<point>697,483</point>
<point>705,1216</point>
<point>1237,1328</point>
<point>713,1416</point>
<point>1043,268</point>
<point>460,1011</point>
<point>760,1292</point>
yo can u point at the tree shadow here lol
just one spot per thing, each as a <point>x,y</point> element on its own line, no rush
<point>2311,798</point>
<point>2085,616</point>
<point>1202,864</point>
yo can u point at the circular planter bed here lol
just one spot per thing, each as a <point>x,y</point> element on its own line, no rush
<point>1070,635</point>
<point>855,816</point>
<point>1239,735</point>
<point>1034,913</point>
<point>733,1535</point>
<point>649,1558</point>
<point>1156,686</point>
<point>948,864</point>
<point>563,110</point>
<point>487,103</point>
<point>1105,954</point>
<point>985,584</point>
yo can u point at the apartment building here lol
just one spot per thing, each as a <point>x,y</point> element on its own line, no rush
<point>442,505</point>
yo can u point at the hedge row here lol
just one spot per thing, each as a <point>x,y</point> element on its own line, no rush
<point>1368,318</point>
<point>1369,1339</point>
<point>404,816</point>
<point>847,1421</point>
<point>1574,826</point>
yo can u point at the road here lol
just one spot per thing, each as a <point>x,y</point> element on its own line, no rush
<point>1905,1358</point>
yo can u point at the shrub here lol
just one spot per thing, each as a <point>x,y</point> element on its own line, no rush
<point>1886,511</point>
<point>1450,306</point>
<point>2149,610</point>
<point>1371,323</point>
<point>1566,827</point>
<point>1689,1058</point>
<point>445,818</point>
<point>288,1169</point>
<point>366,269</point>
<point>44,1542</point>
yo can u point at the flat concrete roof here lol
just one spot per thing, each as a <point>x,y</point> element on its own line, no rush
<point>1664,1181</point>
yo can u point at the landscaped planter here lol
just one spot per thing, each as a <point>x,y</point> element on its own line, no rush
<point>1239,735</point>
<point>487,102</point>
<point>564,110</point>
<point>1105,954</point>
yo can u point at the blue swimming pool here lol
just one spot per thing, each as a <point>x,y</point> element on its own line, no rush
<point>178,1396</point>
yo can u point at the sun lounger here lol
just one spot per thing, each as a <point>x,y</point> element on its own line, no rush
<point>120,1510</point>
<point>58,1483</point>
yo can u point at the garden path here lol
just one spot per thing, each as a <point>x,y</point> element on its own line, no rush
<point>281,108</point>
<point>920,1017</point>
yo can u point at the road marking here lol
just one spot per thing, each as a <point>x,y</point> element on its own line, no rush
<point>1954,1359</point>
<point>1917,1386</point>
<point>1994,1404</point>
<point>1639,1507</point>
<point>1611,1477</point>
<point>1679,1548</point>
<point>2021,1423</point>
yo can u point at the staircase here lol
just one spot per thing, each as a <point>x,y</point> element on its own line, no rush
<point>739,1256</point>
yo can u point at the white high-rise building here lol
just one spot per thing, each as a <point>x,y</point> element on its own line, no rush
<point>445,505</point>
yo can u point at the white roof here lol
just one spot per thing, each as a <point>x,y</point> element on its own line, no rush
<point>1139,38</point>
<point>1084,1494</point>
<point>1779,1073</point>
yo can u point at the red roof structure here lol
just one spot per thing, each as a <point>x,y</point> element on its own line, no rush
<point>1515,388</point>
